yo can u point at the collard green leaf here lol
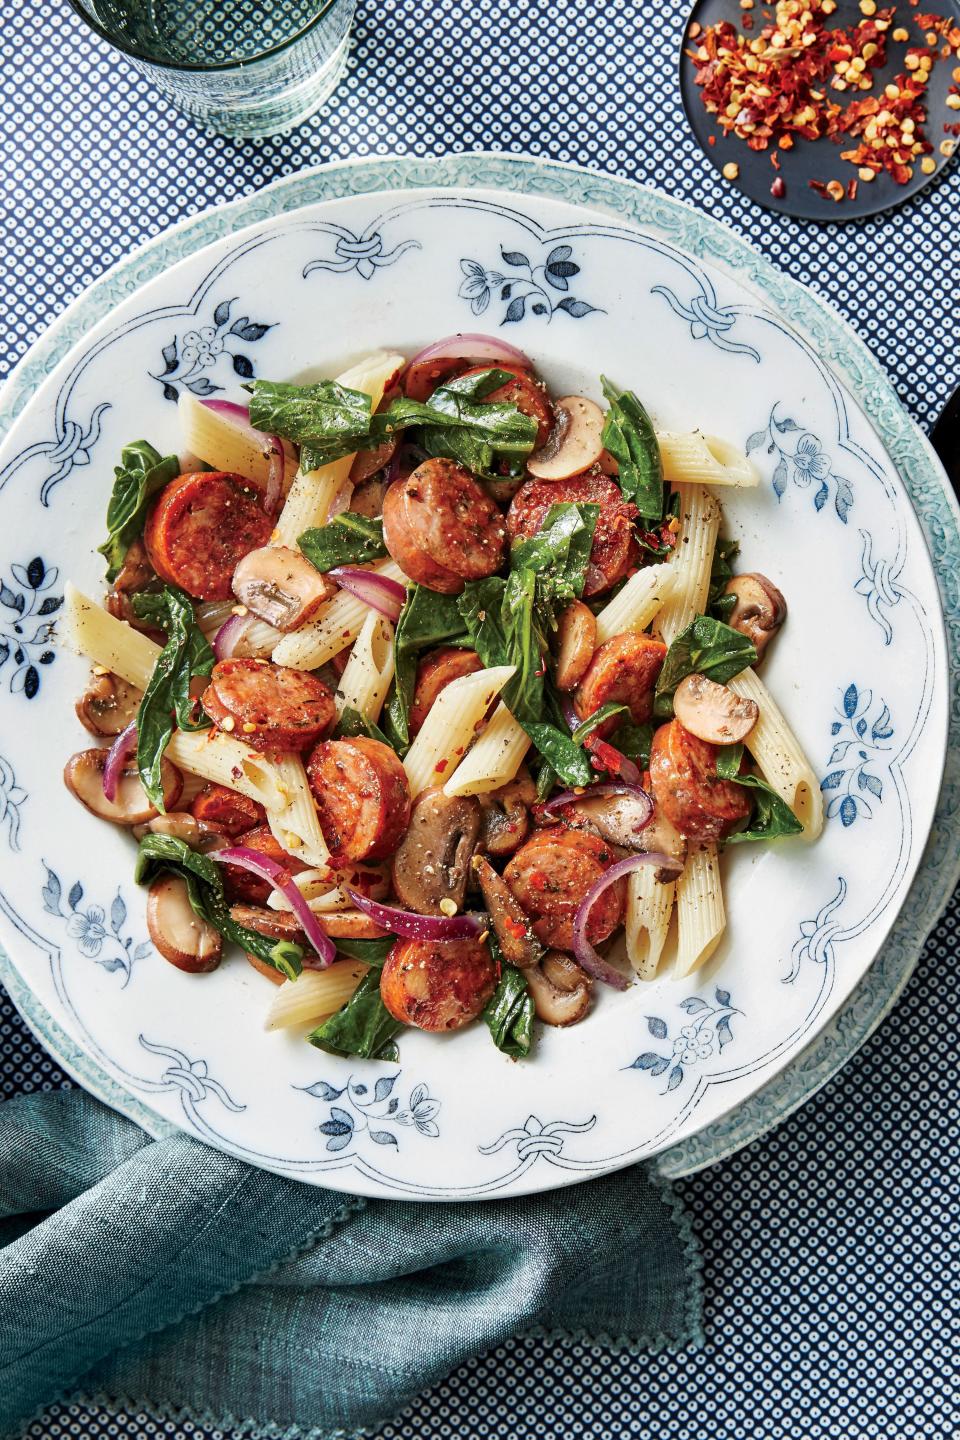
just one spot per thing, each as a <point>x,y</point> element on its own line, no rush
<point>164,854</point>
<point>634,741</point>
<point>719,605</point>
<point>349,539</point>
<point>371,952</point>
<point>363,1026</point>
<point>352,723</point>
<point>426,619</point>
<point>509,1014</point>
<point>141,473</point>
<point>707,647</point>
<point>599,717</point>
<point>629,436</point>
<point>325,413</point>
<point>167,695</point>
<point>772,817</point>
<point>567,760</point>
<point>558,553</point>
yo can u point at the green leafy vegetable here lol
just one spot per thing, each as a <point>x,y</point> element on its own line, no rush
<point>559,554</point>
<point>352,723</point>
<point>308,414</point>
<point>363,1026</point>
<point>634,741</point>
<point>426,619</point>
<point>185,654</point>
<point>161,854</point>
<point>707,647</point>
<point>629,436</point>
<point>719,605</point>
<point>349,539</point>
<point>772,817</point>
<point>566,759</point>
<point>371,952</point>
<point>599,716</point>
<point>141,473</point>
<point>509,1013</point>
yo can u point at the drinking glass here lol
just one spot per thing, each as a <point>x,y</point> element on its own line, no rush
<point>244,68</point>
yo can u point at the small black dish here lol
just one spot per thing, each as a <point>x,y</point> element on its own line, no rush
<point>945,439</point>
<point>818,159</point>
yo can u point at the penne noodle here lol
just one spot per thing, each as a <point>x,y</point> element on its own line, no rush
<point>220,442</point>
<point>89,630</point>
<point>692,458</point>
<point>780,756</point>
<point>451,726</point>
<point>314,995</point>
<point>692,561</point>
<point>494,759</point>
<point>365,681</point>
<point>701,918</point>
<point>259,639</point>
<point>649,910</point>
<point>336,625</point>
<point>218,757</point>
<point>293,822</point>
<point>638,603</point>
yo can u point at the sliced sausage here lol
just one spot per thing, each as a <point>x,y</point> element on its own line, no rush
<point>271,707</point>
<point>442,528</point>
<point>614,552</point>
<point>527,394</point>
<point>234,813</point>
<point>244,886</point>
<point>200,526</point>
<point>264,969</point>
<point>362,795</point>
<point>282,925</point>
<point>434,673</point>
<point>624,671</point>
<point>687,789</point>
<point>437,984</point>
<point>551,874</point>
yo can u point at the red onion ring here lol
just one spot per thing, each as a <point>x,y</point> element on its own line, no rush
<point>417,927</point>
<point>271,445</point>
<point>230,634</point>
<point>281,879</point>
<point>612,787</point>
<point>427,368</point>
<point>117,756</point>
<point>583,951</point>
<point>377,591</point>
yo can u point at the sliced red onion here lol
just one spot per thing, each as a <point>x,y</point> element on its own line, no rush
<point>271,445</point>
<point>583,951</point>
<point>612,787</point>
<point>281,879</point>
<point>428,367</point>
<point>416,927</point>
<point>230,634</point>
<point>569,714</point>
<point>378,591</point>
<point>119,753</point>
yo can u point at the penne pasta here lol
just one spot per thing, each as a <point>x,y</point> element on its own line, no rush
<point>649,910</point>
<point>336,626</point>
<point>692,561</point>
<point>218,757</point>
<point>494,759</point>
<point>88,629</point>
<point>313,995</point>
<point>638,603</point>
<point>324,893</point>
<point>293,822</point>
<point>365,681</point>
<point>701,917</point>
<point>259,638</point>
<point>313,492</point>
<point>220,442</point>
<point>692,458</point>
<point>780,756</point>
<point>451,726</point>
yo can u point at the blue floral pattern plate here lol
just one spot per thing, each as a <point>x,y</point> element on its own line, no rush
<point>585,273</point>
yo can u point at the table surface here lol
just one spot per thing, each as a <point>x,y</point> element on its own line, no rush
<point>827,1243</point>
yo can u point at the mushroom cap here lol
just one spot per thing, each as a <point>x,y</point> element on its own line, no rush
<point>574,444</point>
<point>713,712</point>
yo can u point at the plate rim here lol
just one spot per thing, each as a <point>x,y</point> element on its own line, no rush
<point>721,246</point>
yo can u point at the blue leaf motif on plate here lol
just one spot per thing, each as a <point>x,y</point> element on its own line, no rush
<point>193,358</point>
<point>370,1114</point>
<point>694,1043</point>
<point>804,461</point>
<point>97,935</point>
<point>533,285</point>
<point>26,634</point>
<point>859,756</point>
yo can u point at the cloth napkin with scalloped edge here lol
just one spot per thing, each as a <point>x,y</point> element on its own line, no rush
<point>161,1275</point>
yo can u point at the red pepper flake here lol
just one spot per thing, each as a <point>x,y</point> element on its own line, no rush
<point>515,928</point>
<point>711,139</point>
<point>440,766</point>
<point>779,188</point>
<point>775,160</point>
<point>852,186</point>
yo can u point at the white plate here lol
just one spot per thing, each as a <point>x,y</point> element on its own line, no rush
<point>860,670</point>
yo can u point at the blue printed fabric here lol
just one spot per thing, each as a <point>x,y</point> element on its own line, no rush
<point>828,1246</point>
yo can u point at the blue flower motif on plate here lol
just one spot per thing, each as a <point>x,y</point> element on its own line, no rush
<point>373,1112</point>
<point>191,359</point>
<point>807,463</point>
<point>524,288</point>
<point>98,936</point>
<point>12,797</point>
<point>363,253</point>
<point>859,735</point>
<point>698,1040</point>
<point>26,630</point>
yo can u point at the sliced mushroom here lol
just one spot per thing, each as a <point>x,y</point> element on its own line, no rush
<point>136,573</point>
<point>661,836</point>
<point>283,925</point>
<point>198,834</point>
<point>619,819</point>
<point>433,860</point>
<point>510,922</point>
<point>107,705</point>
<point>280,586</point>
<point>560,989</point>
<point>577,634</point>
<point>713,712</point>
<point>369,462</point>
<point>83,777</point>
<point>506,818</point>
<point>760,609</point>
<point>367,498</point>
<point>177,931</point>
<point>574,443</point>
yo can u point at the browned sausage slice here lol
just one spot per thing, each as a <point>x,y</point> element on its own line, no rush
<point>233,812</point>
<point>200,526</point>
<point>441,528</point>
<point>437,984</point>
<point>624,670</point>
<point>242,884</point>
<point>551,874</point>
<point>687,789</point>
<point>362,795</point>
<point>434,673</point>
<point>614,552</point>
<point>271,707</point>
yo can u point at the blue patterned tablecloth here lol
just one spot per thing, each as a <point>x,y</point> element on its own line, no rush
<point>830,1247</point>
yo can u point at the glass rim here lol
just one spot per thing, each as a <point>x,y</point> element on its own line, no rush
<point>197,67</point>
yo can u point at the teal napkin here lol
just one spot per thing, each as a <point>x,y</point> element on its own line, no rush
<point>160,1275</point>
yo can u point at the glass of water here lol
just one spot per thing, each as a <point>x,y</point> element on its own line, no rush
<point>245,68</point>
